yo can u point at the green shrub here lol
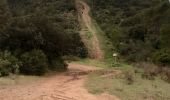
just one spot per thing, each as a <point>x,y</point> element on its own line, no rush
<point>8,63</point>
<point>162,57</point>
<point>34,63</point>
<point>4,67</point>
<point>57,64</point>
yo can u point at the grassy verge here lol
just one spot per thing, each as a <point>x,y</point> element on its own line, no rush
<point>140,89</point>
<point>92,62</point>
<point>18,80</point>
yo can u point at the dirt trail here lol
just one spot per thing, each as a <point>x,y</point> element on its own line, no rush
<point>86,23</point>
<point>64,86</point>
<point>58,87</point>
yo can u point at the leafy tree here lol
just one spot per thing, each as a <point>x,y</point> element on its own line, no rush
<point>8,63</point>
<point>34,63</point>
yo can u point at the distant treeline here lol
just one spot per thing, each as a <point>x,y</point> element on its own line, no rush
<point>35,34</point>
<point>138,29</point>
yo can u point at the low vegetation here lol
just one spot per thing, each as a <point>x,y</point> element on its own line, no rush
<point>13,80</point>
<point>129,85</point>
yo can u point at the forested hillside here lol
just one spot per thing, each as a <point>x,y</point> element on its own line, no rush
<point>35,34</point>
<point>84,49</point>
<point>139,29</point>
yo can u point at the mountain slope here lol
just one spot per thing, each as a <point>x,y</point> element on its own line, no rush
<point>138,29</point>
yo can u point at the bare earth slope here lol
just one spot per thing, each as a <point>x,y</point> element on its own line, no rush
<point>65,86</point>
<point>86,24</point>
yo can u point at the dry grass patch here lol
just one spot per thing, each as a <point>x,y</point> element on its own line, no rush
<point>18,80</point>
<point>139,89</point>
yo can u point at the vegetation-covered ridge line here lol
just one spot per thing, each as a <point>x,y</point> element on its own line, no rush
<point>137,29</point>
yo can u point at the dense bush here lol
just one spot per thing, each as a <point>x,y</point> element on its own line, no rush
<point>39,33</point>
<point>34,63</point>
<point>8,63</point>
<point>58,64</point>
<point>4,67</point>
<point>162,57</point>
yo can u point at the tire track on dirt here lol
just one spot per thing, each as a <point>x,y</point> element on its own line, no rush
<point>62,86</point>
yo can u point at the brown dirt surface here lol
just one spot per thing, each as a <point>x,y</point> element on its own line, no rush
<point>86,24</point>
<point>56,87</point>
